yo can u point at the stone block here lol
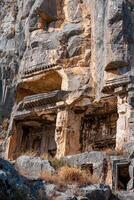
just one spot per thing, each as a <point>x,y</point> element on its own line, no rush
<point>94,158</point>
<point>32,167</point>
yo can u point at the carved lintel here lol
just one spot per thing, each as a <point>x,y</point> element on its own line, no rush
<point>37,69</point>
<point>42,99</point>
<point>120,90</point>
<point>111,84</point>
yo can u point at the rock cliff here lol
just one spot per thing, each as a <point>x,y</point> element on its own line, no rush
<point>67,85</point>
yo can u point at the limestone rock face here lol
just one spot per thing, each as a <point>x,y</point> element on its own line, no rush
<point>9,60</point>
<point>35,33</point>
<point>66,79</point>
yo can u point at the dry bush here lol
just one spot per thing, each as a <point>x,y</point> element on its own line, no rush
<point>57,163</point>
<point>68,175</point>
<point>74,175</point>
<point>95,179</point>
<point>49,177</point>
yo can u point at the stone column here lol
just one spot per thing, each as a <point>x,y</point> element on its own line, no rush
<point>125,123</point>
<point>131,114</point>
<point>130,185</point>
<point>67,135</point>
<point>122,122</point>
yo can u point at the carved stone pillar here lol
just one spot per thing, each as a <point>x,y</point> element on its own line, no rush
<point>131,113</point>
<point>125,123</point>
<point>67,135</point>
<point>122,122</point>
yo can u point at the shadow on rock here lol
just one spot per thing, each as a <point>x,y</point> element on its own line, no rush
<point>15,187</point>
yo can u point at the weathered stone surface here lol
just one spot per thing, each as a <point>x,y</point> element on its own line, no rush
<point>83,47</point>
<point>67,134</point>
<point>126,196</point>
<point>32,168</point>
<point>92,192</point>
<point>23,20</point>
<point>98,161</point>
<point>98,192</point>
<point>16,187</point>
<point>129,149</point>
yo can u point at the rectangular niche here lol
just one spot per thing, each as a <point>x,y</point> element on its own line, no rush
<point>98,132</point>
<point>88,168</point>
<point>35,138</point>
<point>39,140</point>
<point>120,171</point>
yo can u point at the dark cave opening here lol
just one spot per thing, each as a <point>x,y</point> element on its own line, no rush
<point>122,176</point>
